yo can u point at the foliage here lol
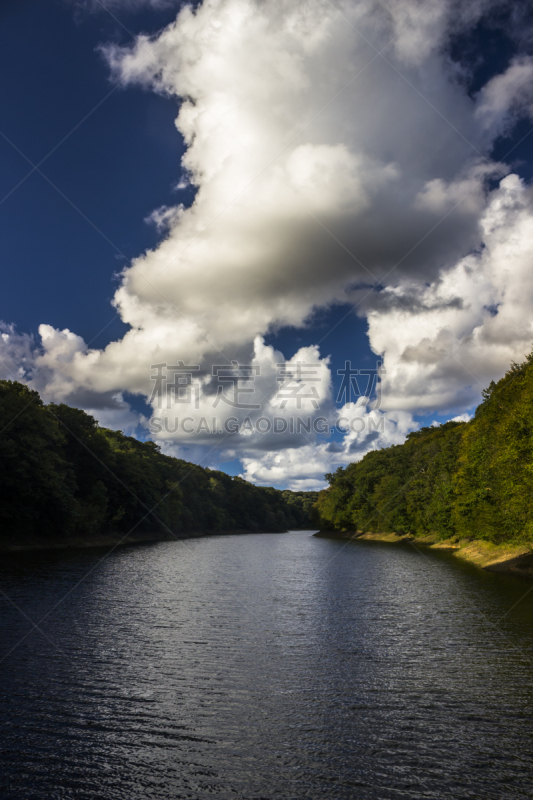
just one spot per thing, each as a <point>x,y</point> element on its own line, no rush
<point>466,480</point>
<point>63,476</point>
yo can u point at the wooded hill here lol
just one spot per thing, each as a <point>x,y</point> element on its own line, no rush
<point>469,480</point>
<point>64,477</point>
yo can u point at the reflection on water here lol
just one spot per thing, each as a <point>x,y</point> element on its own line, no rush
<point>266,666</point>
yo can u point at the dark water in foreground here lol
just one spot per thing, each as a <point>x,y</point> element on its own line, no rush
<point>267,666</point>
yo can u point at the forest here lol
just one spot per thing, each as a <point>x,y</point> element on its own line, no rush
<point>460,480</point>
<point>63,477</point>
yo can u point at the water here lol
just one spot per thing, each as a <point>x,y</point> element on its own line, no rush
<point>263,666</point>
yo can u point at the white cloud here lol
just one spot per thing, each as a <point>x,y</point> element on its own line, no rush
<point>444,342</point>
<point>16,354</point>
<point>303,468</point>
<point>264,404</point>
<point>466,417</point>
<point>506,97</point>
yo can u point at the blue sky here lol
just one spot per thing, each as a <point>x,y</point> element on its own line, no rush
<point>112,154</point>
<point>119,164</point>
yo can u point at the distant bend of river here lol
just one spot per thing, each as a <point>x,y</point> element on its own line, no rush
<point>263,666</point>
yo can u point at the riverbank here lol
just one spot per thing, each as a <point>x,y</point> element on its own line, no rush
<point>512,559</point>
<point>112,540</point>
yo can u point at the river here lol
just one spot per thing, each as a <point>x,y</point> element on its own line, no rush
<point>263,666</point>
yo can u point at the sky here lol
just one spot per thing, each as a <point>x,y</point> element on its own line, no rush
<point>270,236</point>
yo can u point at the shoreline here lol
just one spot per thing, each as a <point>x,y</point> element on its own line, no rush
<point>506,559</point>
<point>114,540</point>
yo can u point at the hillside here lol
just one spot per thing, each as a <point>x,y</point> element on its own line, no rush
<point>462,481</point>
<point>64,479</point>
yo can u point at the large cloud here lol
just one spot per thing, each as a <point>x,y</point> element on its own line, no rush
<point>444,342</point>
<point>330,147</point>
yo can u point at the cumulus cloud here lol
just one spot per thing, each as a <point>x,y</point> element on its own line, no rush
<point>16,354</point>
<point>466,417</point>
<point>466,327</point>
<point>330,146</point>
<point>268,403</point>
<point>506,97</point>
<point>303,468</point>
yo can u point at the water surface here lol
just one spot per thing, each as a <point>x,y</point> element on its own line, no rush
<point>263,666</point>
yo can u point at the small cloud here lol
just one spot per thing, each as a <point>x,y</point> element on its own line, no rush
<point>164,218</point>
<point>466,417</point>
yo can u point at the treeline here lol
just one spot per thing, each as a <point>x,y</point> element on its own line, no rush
<point>64,477</point>
<point>460,480</point>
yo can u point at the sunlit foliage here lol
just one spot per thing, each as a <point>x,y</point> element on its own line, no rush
<point>462,480</point>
